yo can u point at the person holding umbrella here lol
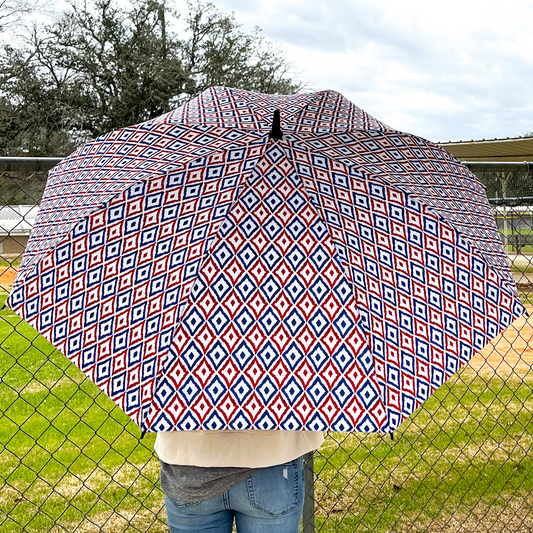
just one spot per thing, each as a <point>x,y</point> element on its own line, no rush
<point>249,270</point>
<point>212,479</point>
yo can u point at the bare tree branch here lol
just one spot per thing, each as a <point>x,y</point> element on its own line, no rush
<point>11,11</point>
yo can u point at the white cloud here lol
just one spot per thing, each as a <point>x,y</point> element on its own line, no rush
<point>447,71</point>
<point>458,70</point>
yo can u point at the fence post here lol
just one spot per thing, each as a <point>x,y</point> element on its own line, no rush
<point>309,496</point>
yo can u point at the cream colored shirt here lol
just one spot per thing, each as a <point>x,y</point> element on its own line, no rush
<point>245,448</point>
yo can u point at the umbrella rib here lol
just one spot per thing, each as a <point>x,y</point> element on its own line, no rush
<point>161,372</point>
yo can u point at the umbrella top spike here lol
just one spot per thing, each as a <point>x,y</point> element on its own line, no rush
<point>275,132</point>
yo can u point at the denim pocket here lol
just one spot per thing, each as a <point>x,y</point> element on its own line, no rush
<point>184,505</point>
<point>276,490</point>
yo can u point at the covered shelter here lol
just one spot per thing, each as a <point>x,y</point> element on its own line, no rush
<point>495,150</point>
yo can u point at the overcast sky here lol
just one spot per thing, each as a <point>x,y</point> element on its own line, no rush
<point>453,70</point>
<point>449,70</point>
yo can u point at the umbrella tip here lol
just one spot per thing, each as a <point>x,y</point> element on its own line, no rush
<point>275,132</point>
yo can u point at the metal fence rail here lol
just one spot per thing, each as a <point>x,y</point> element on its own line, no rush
<point>71,461</point>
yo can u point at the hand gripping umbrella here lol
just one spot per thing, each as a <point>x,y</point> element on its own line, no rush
<point>251,261</point>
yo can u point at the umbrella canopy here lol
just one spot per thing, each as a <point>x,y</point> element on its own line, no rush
<point>216,268</point>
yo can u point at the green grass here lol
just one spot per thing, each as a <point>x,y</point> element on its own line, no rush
<point>68,455</point>
<point>468,447</point>
<point>527,299</point>
<point>523,269</point>
<point>525,250</point>
<point>11,261</point>
<point>69,458</point>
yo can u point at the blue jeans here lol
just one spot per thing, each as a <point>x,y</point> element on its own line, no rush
<point>269,501</point>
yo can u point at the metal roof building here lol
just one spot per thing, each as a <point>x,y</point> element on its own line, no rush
<point>17,219</point>
<point>501,150</point>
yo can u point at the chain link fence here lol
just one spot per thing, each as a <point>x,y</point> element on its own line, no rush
<point>72,461</point>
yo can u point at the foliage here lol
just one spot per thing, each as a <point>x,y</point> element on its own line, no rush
<point>102,66</point>
<point>217,53</point>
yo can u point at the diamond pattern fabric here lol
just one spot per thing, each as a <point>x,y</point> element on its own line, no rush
<point>110,295</point>
<point>93,175</point>
<point>205,276</point>
<point>271,310</point>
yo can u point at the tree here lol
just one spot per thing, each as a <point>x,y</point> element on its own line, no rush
<point>11,11</point>
<point>40,111</point>
<point>102,67</point>
<point>218,53</point>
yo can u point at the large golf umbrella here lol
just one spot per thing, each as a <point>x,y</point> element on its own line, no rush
<point>251,261</point>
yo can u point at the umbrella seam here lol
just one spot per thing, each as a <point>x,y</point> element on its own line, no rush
<point>161,373</point>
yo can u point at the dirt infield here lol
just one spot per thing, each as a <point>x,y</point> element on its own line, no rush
<point>7,276</point>
<point>512,350</point>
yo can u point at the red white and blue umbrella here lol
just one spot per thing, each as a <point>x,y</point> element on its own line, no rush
<point>252,261</point>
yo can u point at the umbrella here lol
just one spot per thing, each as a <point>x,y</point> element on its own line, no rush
<point>252,261</point>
